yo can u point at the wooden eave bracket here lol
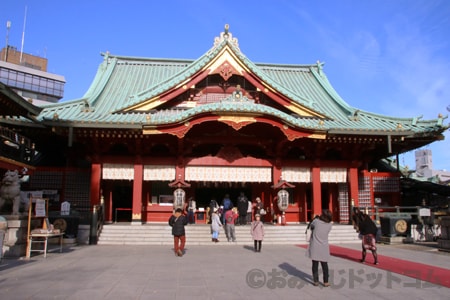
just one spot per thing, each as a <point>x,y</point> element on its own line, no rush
<point>282,184</point>
<point>179,183</point>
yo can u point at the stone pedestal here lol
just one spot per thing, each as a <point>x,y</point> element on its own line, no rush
<point>396,240</point>
<point>83,234</point>
<point>15,240</point>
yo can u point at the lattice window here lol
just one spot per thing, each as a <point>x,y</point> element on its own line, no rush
<point>386,184</point>
<point>76,191</point>
<point>46,180</point>
<point>72,185</point>
<point>364,191</point>
<point>343,203</point>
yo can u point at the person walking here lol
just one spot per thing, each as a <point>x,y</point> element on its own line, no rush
<point>191,211</point>
<point>319,249</point>
<point>249,211</point>
<point>242,206</point>
<point>177,221</point>
<point>215,226</point>
<point>257,232</point>
<point>368,230</point>
<point>230,220</point>
<point>259,206</point>
<point>212,206</point>
<point>226,206</point>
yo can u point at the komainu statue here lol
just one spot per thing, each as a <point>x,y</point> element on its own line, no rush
<point>10,192</point>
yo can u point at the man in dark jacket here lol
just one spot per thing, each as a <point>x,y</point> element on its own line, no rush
<point>177,221</point>
<point>242,205</point>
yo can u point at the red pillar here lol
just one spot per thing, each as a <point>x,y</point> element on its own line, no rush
<point>276,175</point>
<point>136,208</point>
<point>107,194</point>
<point>316,208</point>
<point>353,187</point>
<point>96,176</point>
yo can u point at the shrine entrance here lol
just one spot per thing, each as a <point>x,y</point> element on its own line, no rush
<point>204,195</point>
<point>122,196</point>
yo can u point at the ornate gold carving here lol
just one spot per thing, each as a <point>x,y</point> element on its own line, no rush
<point>226,71</point>
<point>150,131</point>
<point>319,136</point>
<point>237,122</point>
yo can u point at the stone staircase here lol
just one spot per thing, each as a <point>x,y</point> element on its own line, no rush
<point>199,234</point>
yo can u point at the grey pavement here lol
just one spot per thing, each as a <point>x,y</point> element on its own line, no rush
<point>211,272</point>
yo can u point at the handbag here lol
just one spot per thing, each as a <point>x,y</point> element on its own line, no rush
<point>262,212</point>
<point>308,233</point>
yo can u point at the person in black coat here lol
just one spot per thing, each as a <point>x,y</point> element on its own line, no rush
<point>212,206</point>
<point>177,221</point>
<point>242,206</point>
<point>368,230</point>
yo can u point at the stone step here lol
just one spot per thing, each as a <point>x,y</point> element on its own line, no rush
<point>200,234</point>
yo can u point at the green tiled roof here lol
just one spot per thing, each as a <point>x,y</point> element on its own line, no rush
<point>122,82</point>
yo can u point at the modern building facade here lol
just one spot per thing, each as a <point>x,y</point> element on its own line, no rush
<point>425,171</point>
<point>150,132</point>
<point>27,75</point>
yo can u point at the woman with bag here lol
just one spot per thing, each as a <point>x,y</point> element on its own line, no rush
<point>319,249</point>
<point>215,225</point>
<point>308,230</point>
<point>257,232</point>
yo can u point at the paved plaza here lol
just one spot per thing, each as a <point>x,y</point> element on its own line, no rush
<point>225,271</point>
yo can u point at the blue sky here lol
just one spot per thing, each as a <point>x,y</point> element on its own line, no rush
<point>383,56</point>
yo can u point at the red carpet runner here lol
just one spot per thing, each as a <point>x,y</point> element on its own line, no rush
<point>432,274</point>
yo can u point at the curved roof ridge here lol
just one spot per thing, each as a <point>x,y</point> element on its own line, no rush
<point>287,66</point>
<point>256,69</point>
<point>325,83</point>
<point>144,59</point>
<point>231,107</point>
<point>101,78</point>
<point>405,120</point>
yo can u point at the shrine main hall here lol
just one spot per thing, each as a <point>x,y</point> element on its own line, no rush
<point>150,132</point>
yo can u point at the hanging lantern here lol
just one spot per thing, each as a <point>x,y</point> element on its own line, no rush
<point>179,196</point>
<point>283,200</point>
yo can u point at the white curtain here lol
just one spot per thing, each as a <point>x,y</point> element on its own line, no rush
<point>157,172</point>
<point>228,174</point>
<point>333,175</point>
<point>118,171</point>
<point>296,174</point>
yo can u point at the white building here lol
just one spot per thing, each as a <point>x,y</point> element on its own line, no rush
<point>425,171</point>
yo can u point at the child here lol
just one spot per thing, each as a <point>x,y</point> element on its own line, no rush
<point>257,232</point>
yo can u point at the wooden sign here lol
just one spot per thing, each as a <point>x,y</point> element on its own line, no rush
<point>40,208</point>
